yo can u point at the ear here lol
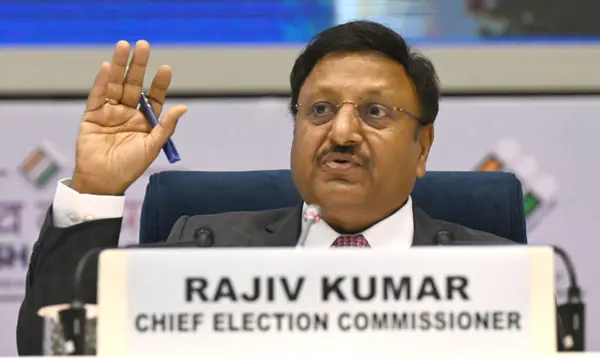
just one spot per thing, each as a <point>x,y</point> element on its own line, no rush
<point>424,141</point>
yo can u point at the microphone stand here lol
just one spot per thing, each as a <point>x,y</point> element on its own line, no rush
<point>310,216</point>
<point>571,340</point>
<point>73,319</point>
<point>573,311</point>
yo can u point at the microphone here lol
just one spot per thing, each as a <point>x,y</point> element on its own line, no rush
<point>73,319</point>
<point>573,309</point>
<point>310,215</point>
<point>443,238</point>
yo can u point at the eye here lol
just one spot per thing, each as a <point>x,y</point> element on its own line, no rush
<point>322,109</point>
<point>376,110</point>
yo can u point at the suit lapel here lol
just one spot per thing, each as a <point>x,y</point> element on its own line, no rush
<point>284,231</point>
<point>425,228</point>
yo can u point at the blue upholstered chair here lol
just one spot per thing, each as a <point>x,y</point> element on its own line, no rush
<point>491,202</point>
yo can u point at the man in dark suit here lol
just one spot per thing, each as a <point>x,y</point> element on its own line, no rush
<point>363,104</point>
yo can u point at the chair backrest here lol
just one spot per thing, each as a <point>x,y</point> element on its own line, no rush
<point>486,201</point>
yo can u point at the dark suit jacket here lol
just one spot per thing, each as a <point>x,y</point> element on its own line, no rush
<point>281,227</point>
<point>58,250</point>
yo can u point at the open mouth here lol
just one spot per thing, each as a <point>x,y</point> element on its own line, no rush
<point>340,161</point>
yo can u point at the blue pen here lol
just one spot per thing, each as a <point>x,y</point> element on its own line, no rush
<point>169,147</point>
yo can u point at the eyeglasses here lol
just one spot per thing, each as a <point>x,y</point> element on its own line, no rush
<point>374,114</point>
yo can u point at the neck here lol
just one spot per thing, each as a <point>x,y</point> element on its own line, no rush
<point>349,221</point>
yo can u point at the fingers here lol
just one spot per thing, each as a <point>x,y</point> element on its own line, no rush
<point>159,135</point>
<point>118,68</point>
<point>97,95</point>
<point>134,79</point>
<point>158,88</point>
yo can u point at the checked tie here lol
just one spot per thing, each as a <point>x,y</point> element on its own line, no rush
<point>351,241</point>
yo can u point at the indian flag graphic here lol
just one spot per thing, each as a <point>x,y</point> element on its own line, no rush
<point>39,168</point>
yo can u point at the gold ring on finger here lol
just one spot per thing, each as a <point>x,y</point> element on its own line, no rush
<point>111,101</point>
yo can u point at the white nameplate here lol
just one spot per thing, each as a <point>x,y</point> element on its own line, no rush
<point>217,301</point>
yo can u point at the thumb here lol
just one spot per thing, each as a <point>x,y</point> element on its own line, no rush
<point>160,134</point>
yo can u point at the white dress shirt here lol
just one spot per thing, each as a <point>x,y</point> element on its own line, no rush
<point>396,231</point>
<point>70,208</point>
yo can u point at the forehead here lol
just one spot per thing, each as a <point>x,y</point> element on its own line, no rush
<point>353,75</point>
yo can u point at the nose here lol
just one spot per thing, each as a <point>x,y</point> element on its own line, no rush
<point>345,128</point>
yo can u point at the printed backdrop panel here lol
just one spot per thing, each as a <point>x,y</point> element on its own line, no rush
<point>547,142</point>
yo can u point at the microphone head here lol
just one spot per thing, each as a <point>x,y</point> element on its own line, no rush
<point>312,213</point>
<point>443,238</point>
<point>204,236</point>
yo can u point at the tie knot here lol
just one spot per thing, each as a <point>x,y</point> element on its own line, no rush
<point>350,241</point>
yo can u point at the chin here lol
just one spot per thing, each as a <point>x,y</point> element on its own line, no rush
<point>334,195</point>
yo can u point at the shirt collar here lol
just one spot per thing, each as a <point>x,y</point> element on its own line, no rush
<point>397,231</point>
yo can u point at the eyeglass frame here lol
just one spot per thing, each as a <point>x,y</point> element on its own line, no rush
<point>338,105</point>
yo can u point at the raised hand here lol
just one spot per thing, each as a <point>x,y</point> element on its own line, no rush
<point>116,144</point>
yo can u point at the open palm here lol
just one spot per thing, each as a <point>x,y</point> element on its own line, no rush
<point>116,144</point>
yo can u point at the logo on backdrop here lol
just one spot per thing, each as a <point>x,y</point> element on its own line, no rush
<point>13,256</point>
<point>10,218</point>
<point>14,253</point>
<point>540,189</point>
<point>15,247</point>
<point>41,166</point>
<point>14,259</point>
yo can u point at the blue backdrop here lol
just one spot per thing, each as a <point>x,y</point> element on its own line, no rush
<point>171,21</point>
<point>80,22</point>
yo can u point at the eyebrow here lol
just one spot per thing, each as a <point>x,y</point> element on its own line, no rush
<point>376,90</point>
